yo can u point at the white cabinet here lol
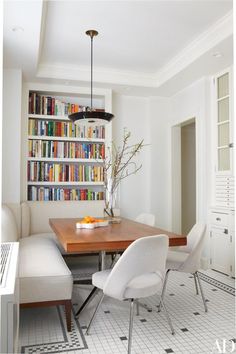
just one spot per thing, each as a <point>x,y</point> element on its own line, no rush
<point>222,241</point>
<point>221,223</point>
<point>224,191</point>
<point>224,129</point>
<point>232,234</point>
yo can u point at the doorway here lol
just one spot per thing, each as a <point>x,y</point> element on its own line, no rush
<point>184,176</point>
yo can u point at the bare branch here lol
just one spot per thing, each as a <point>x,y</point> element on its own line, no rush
<point>119,164</point>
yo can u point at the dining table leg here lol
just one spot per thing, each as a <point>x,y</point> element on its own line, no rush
<point>101,266</point>
<point>86,301</point>
<point>102,255</point>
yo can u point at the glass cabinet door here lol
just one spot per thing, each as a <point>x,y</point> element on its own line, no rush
<point>223,123</point>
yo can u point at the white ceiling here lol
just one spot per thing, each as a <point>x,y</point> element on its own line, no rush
<point>143,47</point>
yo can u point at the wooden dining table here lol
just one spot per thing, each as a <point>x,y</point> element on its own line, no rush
<point>112,238</point>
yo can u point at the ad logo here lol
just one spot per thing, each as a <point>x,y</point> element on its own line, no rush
<point>223,346</point>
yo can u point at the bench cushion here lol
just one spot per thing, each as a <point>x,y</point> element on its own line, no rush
<point>25,220</point>
<point>9,231</point>
<point>43,273</point>
<point>36,215</point>
<point>51,236</point>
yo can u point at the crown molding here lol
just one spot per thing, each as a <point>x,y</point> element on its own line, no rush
<point>221,30</point>
<point>44,10</point>
<point>82,73</point>
<point>83,90</point>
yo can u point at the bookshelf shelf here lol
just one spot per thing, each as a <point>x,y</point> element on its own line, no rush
<point>58,159</point>
<point>65,183</point>
<point>59,150</point>
<point>49,117</point>
<point>64,138</point>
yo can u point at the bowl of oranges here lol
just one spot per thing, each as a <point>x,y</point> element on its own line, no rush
<point>89,222</point>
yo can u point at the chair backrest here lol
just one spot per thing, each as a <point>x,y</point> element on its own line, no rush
<point>146,218</point>
<point>145,255</point>
<point>195,242</point>
<point>9,231</point>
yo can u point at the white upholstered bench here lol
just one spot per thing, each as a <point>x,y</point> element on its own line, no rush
<point>45,279</point>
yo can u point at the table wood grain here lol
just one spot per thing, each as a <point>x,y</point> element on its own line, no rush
<point>114,237</point>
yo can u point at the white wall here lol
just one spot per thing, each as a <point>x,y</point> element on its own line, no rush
<point>160,181</point>
<point>152,119</point>
<point>11,139</point>
<point>165,113</point>
<point>194,102</point>
<point>132,113</point>
<point>188,177</point>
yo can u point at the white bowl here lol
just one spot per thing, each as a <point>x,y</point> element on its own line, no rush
<point>80,225</point>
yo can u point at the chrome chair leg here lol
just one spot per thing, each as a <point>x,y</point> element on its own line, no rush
<point>195,281</point>
<point>94,314</point>
<point>163,289</point>
<point>201,291</point>
<point>131,320</point>
<point>137,307</point>
<point>146,307</point>
<point>167,316</point>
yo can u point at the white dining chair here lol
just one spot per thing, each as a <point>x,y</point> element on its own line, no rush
<point>187,259</point>
<point>146,218</point>
<point>138,273</point>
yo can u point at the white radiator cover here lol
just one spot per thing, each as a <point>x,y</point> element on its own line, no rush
<point>9,295</point>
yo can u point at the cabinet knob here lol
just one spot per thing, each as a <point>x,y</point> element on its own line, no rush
<point>231,145</point>
<point>218,219</point>
<point>226,231</point>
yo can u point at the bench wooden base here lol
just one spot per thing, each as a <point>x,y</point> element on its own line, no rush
<point>66,303</point>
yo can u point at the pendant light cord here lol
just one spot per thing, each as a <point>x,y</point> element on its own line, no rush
<point>91,108</point>
<point>87,115</point>
<point>91,34</point>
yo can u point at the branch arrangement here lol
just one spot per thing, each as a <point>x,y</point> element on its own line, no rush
<point>118,165</point>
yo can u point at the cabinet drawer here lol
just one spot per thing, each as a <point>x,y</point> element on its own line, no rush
<point>220,219</point>
<point>220,231</point>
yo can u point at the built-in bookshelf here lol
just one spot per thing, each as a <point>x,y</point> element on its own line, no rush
<point>65,149</point>
<point>64,160</point>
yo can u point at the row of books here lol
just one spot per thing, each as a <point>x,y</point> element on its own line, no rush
<point>40,104</point>
<point>64,129</point>
<point>65,149</point>
<point>60,172</point>
<point>54,194</point>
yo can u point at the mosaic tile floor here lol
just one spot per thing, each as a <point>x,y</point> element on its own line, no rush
<point>196,332</point>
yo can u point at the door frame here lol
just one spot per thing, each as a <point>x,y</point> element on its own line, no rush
<point>176,189</point>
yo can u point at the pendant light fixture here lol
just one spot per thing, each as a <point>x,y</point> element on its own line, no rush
<point>91,116</point>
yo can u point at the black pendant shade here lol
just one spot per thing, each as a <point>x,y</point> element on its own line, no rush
<point>91,116</point>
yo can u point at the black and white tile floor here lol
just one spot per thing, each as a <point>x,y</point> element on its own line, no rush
<point>196,332</point>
